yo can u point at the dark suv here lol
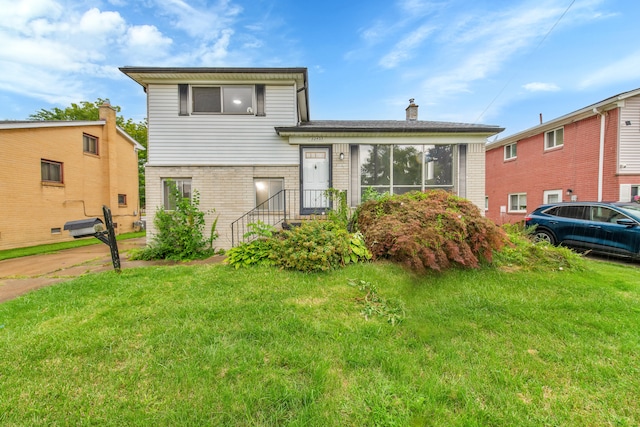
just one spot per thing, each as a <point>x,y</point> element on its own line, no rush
<point>611,228</point>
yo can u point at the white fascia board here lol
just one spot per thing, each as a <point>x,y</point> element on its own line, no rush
<point>50,124</point>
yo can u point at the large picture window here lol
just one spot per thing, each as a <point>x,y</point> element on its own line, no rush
<point>174,188</point>
<point>398,169</point>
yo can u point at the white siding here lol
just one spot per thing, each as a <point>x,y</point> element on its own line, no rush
<point>629,158</point>
<point>220,139</point>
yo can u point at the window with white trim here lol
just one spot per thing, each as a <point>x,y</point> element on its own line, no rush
<point>518,202</point>
<point>486,203</point>
<point>510,151</point>
<point>552,196</point>
<point>174,188</point>
<point>554,138</point>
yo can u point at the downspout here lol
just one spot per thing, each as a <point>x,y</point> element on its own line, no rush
<point>601,154</point>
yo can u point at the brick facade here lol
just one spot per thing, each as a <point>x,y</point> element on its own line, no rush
<point>573,166</point>
<point>33,211</point>
<point>226,192</point>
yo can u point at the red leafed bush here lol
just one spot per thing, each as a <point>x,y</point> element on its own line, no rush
<point>433,230</point>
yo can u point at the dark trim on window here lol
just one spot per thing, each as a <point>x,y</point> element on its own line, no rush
<point>183,96</point>
<point>87,144</point>
<point>260,91</point>
<point>51,172</point>
<point>462,170</point>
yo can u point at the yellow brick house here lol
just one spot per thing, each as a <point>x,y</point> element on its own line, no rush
<point>57,171</point>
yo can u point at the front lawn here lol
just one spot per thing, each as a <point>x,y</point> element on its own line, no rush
<point>55,247</point>
<point>211,345</point>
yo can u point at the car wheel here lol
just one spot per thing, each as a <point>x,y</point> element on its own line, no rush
<point>544,236</point>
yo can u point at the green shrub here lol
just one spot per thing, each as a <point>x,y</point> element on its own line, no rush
<point>433,230</point>
<point>313,246</point>
<point>179,232</point>
<point>524,254</point>
<point>256,252</point>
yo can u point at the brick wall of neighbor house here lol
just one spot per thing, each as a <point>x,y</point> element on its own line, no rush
<point>32,211</point>
<point>226,192</point>
<point>572,166</point>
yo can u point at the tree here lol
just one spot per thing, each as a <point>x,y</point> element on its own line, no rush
<point>90,111</point>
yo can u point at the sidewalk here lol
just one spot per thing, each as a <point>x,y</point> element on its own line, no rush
<point>21,275</point>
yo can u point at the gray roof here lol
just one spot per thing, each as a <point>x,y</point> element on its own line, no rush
<point>387,126</point>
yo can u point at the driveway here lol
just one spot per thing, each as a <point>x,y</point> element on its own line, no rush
<point>21,275</point>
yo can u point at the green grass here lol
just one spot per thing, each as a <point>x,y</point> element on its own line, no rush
<point>210,345</point>
<point>55,247</point>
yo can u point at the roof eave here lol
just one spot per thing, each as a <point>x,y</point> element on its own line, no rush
<point>581,114</point>
<point>298,131</point>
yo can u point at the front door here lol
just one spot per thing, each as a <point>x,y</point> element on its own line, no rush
<point>316,173</point>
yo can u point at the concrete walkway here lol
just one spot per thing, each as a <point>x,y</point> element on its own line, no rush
<point>21,275</point>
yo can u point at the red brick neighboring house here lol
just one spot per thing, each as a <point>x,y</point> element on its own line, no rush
<point>592,154</point>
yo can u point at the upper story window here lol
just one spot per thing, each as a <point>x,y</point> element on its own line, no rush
<point>554,138</point>
<point>90,144</point>
<point>510,151</point>
<point>222,99</point>
<point>51,171</point>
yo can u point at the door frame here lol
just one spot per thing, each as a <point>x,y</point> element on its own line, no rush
<point>310,211</point>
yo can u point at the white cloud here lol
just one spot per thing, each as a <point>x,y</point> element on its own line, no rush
<point>101,24</point>
<point>145,38</point>
<point>623,70</point>
<point>205,23</point>
<point>16,14</point>
<point>216,53</point>
<point>405,49</point>
<point>541,87</point>
<point>481,48</point>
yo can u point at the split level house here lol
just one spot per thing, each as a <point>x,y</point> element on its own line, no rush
<point>243,138</point>
<point>54,172</point>
<point>592,154</point>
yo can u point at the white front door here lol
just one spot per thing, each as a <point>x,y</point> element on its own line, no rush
<point>315,177</point>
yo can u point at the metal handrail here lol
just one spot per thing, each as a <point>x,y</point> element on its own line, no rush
<point>273,211</point>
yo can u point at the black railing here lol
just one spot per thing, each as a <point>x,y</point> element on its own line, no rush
<point>278,209</point>
<point>282,209</point>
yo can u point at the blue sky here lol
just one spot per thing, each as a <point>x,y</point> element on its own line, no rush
<point>498,62</point>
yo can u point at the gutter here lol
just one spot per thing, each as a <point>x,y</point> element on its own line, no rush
<point>600,154</point>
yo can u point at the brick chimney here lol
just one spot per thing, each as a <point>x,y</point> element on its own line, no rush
<point>412,111</point>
